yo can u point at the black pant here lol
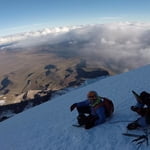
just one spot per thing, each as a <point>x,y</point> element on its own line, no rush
<point>84,110</point>
<point>89,120</point>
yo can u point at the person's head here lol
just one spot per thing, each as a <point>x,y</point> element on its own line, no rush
<point>92,95</point>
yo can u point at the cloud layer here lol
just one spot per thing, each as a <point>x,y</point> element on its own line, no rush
<point>119,46</point>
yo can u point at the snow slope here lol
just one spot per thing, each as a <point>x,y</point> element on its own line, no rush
<point>49,126</point>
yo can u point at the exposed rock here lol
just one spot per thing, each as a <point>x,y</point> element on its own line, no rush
<point>33,98</point>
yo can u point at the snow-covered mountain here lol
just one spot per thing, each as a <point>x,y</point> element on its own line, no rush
<point>49,126</point>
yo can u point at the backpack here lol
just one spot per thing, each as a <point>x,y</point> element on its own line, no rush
<point>109,106</point>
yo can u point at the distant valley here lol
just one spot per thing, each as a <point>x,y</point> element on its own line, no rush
<point>26,72</point>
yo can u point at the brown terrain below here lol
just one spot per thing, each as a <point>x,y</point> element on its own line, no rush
<point>26,72</point>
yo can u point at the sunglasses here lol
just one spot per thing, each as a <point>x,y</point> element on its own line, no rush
<point>91,96</point>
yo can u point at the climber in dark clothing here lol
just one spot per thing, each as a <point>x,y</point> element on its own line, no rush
<point>143,109</point>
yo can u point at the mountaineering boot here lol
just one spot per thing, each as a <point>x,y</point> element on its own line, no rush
<point>81,119</point>
<point>133,126</point>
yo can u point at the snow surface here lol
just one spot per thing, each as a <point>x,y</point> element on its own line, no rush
<point>49,125</point>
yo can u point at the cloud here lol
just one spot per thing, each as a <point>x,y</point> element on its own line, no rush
<point>119,46</point>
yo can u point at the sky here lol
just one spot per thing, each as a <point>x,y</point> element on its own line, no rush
<point>25,15</point>
<point>49,125</point>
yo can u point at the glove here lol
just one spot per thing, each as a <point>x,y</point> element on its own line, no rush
<point>134,108</point>
<point>140,111</point>
<point>133,126</point>
<point>72,107</point>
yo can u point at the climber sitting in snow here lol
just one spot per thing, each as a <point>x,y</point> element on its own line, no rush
<point>91,111</point>
<point>143,109</point>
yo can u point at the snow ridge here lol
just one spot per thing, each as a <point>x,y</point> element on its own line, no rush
<point>49,126</point>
